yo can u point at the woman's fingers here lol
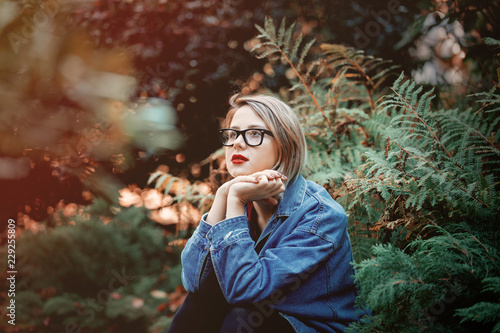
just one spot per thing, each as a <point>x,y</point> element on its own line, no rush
<point>277,184</point>
<point>272,187</point>
<point>258,187</point>
<point>272,196</point>
<point>250,179</point>
<point>258,177</point>
<point>270,174</point>
<point>279,188</point>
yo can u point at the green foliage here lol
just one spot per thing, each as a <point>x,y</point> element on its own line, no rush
<point>400,162</point>
<point>439,167</point>
<point>491,42</point>
<point>197,193</point>
<point>442,164</point>
<point>337,89</point>
<point>420,165</point>
<point>421,288</point>
<point>334,96</point>
<point>280,44</point>
<point>358,76</point>
<point>104,267</point>
<point>485,312</point>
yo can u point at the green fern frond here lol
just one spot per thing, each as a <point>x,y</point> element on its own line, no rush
<point>288,37</point>
<point>490,100</point>
<point>303,54</point>
<point>492,42</point>
<point>434,158</point>
<point>281,33</point>
<point>296,46</point>
<point>281,42</point>
<point>358,67</point>
<point>475,129</point>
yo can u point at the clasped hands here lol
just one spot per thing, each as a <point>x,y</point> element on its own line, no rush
<point>263,186</point>
<point>230,199</point>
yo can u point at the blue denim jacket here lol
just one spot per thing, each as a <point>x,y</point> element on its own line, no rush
<point>303,270</point>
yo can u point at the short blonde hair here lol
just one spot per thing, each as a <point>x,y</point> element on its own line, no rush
<point>280,119</point>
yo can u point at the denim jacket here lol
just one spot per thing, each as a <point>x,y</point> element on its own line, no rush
<point>302,270</point>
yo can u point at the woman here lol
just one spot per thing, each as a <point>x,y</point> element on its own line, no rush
<point>273,253</point>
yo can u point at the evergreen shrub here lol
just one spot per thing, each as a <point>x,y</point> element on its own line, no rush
<point>105,268</point>
<point>419,182</point>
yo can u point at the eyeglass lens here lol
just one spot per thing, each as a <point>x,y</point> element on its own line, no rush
<point>251,137</point>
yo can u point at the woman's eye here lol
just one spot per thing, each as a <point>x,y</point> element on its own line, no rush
<point>254,133</point>
<point>232,135</point>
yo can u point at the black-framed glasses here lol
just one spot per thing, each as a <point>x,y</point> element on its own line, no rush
<point>252,136</point>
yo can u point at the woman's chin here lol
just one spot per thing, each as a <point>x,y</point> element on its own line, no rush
<point>235,172</point>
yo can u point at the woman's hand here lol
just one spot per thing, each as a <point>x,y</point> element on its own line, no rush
<point>264,190</point>
<point>218,211</point>
<point>266,186</point>
<point>253,178</point>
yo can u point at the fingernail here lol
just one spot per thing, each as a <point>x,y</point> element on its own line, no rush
<point>284,177</point>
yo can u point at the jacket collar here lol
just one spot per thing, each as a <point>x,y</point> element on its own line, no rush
<point>292,197</point>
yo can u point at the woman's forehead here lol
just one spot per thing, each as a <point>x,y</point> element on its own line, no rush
<point>246,117</point>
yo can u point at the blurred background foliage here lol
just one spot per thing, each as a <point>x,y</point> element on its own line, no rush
<point>108,134</point>
<point>70,70</point>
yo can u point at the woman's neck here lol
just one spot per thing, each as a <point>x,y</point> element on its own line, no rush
<point>264,213</point>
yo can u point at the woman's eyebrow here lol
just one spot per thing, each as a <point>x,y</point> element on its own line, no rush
<point>250,126</point>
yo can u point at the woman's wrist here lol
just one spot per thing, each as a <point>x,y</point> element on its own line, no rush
<point>218,211</point>
<point>235,205</point>
<point>223,190</point>
<point>233,197</point>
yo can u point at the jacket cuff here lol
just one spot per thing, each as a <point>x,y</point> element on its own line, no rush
<point>204,227</point>
<point>229,230</point>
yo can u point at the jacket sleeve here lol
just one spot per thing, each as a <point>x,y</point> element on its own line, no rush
<point>194,256</point>
<point>245,277</point>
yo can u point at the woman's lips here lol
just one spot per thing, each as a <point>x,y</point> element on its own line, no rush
<point>238,159</point>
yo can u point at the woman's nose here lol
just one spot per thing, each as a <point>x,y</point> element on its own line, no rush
<point>240,141</point>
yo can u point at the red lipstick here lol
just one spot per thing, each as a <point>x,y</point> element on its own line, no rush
<point>238,159</point>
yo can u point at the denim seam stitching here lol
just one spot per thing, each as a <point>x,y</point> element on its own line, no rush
<point>319,215</point>
<point>329,291</point>
<point>200,271</point>
<point>341,242</point>
<point>217,274</point>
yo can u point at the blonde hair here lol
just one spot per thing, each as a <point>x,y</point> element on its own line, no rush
<point>280,119</point>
